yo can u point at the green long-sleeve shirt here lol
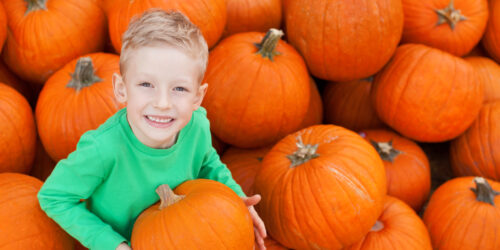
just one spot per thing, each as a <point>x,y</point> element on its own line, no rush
<point>118,175</point>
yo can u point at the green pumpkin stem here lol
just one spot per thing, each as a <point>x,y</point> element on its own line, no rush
<point>483,191</point>
<point>450,15</point>
<point>84,74</point>
<point>267,48</point>
<point>385,150</point>
<point>35,5</point>
<point>377,227</point>
<point>304,153</point>
<point>167,196</point>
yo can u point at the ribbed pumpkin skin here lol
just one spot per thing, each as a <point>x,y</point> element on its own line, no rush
<point>211,216</point>
<point>244,165</point>
<point>64,114</point>
<point>328,202</point>
<point>457,221</point>
<point>252,101</point>
<point>408,175</point>
<point>348,104</point>
<point>18,136</point>
<point>24,224</point>
<point>328,35</point>
<point>209,15</point>
<point>421,25</point>
<point>251,15</point>
<point>426,94</point>
<point>402,229</point>
<point>314,113</point>
<point>489,73</point>
<point>491,38</point>
<point>477,151</point>
<point>42,41</point>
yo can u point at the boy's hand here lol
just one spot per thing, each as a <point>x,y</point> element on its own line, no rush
<point>258,225</point>
<point>123,246</point>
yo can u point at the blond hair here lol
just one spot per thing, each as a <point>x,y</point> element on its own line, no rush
<point>171,28</point>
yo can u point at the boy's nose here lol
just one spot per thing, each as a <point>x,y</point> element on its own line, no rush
<point>162,101</point>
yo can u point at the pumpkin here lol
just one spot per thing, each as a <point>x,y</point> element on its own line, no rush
<point>398,227</point>
<point>489,73</point>
<point>427,95</point>
<point>43,165</point>
<point>322,187</point>
<point>464,213</point>
<point>491,38</point>
<point>314,113</point>
<point>3,25</point>
<point>45,35</point>
<point>244,164</point>
<point>344,40</point>
<point>77,98</point>
<point>250,15</point>
<point>348,104</point>
<point>209,15</point>
<point>24,224</point>
<point>455,26</point>
<point>18,136</point>
<point>209,211</point>
<point>406,166</point>
<point>12,80</point>
<point>259,89</point>
<point>477,151</point>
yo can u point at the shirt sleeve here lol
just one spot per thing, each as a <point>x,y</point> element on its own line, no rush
<point>72,180</point>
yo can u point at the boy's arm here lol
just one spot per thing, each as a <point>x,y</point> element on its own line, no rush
<point>73,179</point>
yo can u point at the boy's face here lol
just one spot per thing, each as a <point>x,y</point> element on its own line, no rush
<point>161,88</point>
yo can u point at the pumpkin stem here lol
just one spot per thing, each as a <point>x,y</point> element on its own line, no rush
<point>450,15</point>
<point>167,196</point>
<point>35,5</point>
<point>377,227</point>
<point>385,150</point>
<point>304,153</point>
<point>269,42</point>
<point>483,191</point>
<point>84,74</point>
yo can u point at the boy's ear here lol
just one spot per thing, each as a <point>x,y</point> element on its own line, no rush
<point>119,88</point>
<point>202,90</point>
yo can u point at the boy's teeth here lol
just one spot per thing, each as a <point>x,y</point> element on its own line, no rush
<point>159,120</point>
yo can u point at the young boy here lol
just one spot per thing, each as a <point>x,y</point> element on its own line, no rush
<point>161,137</point>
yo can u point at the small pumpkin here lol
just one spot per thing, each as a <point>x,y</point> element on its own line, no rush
<point>250,15</point>
<point>489,73</point>
<point>491,38</point>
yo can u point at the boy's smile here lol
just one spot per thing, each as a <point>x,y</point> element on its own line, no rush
<point>161,88</point>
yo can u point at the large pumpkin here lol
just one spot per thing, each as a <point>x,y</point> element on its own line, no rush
<point>491,38</point>
<point>259,89</point>
<point>45,35</point>
<point>406,166</point>
<point>426,94</point>
<point>398,227</point>
<point>348,104</point>
<point>24,224</point>
<point>18,132</point>
<point>464,213</point>
<point>201,214</point>
<point>347,39</point>
<point>455,26</point>
<point>477,151</point>
<point>322,187</point>
<point>208,15</point>
<point>251,15</point>
<point>489,73</point>
<point>77,98</point>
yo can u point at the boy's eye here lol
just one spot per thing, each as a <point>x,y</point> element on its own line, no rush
<point>179,89</point>
<point>145,84</point>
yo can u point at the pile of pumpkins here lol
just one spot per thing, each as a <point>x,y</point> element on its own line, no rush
<point>324,118</point>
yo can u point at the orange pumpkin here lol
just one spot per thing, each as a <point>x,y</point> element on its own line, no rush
<point>489,73</point>
<point>322,187</point>
<point>491,38</point>
<point>244,165</point>
<point>3,25</point>
<point>348,104</point>
<point>24,224</point>
<point>18,136</point>
<point>272,244</point>
<point>209,15</point>
<point>250,15</point>
<point>406,166</point>
<point>12,80</point>
<point>259,92</point>
<point>77,98</point>
<point>314,113</point>
<point>426,94</point>
<point>45,35</point>
<point>477,151</point>
<point>344,40</point>
<point>201,214</point>
<point>43,165</point>
<point>455,26</point>
<point>464,213</point>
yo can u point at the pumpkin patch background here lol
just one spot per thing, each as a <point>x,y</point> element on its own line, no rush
<point>349,117</point>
